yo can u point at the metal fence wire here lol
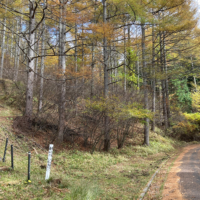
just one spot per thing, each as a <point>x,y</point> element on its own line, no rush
<point>27,156</point>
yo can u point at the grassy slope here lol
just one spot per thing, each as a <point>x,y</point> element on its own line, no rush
<point>119,174</point>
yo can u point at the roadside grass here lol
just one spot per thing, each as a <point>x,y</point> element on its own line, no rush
<point>118,174</point>
<point>7,111</point>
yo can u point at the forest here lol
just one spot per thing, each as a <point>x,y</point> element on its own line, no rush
<point>91,72</point>
<point>102,95</point>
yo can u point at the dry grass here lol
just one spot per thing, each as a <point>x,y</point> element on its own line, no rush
<point>76,174</point>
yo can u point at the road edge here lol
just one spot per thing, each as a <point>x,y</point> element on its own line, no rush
<point>145,190</point>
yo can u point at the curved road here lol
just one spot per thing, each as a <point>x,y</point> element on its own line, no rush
<point>183,182</point>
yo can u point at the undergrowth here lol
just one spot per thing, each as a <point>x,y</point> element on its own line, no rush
<point>118,174</point>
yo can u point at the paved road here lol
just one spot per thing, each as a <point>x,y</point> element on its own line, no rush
<point>190,174</point>
<point>183,182</point>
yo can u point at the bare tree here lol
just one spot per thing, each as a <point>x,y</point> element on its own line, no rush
<point>62,65</point>
<point>3,47</point>
<point>105,60</point>
<point>31,61</point>
<point>153,79</point>
<point>146,103</point>
<point>40,103</point>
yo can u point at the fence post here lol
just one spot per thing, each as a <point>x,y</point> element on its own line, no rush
<point>4,156</point>
<point>49,161</point>
<point>29,166</point>
<point>12,164</point>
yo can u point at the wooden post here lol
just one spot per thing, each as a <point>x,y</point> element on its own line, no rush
<point>12,163</point>
<point>4,156</point>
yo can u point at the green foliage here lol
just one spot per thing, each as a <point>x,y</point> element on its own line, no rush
<point>196,99</point>
<point>118,110</point>
<point>131,76</point>
<point>131,59</point>
<point>84,191</point>
<point>190,125</point>
<point>157,144</point>
<point>193,117</point>
<point>131,56</point>
<point>182,94</point>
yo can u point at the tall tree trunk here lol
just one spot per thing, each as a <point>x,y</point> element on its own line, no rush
<point>153,81</point>
<point>138,64</point>
<point>18,53</point>
<point>125,58</point>
<point>163,82</point>
<point>115,65</point>
<point>3,47</point>
<point>83,79</point>
<point>40,103</point>
<point>166,83</point>
<point>37,53</point>
<point>129,51</point>
<point>146,103</point>
<point>31,62</point>
<point>93,60</point>
<point>162,68</point>
<point>11,45</point>
<point>194,78</point>
<point>17,63</point>
<point>27,51</point>
<point>92,72</point>
<point>105,59</point>
<point>160,103</point>
<point>61,123</point>
<point>76,67</point>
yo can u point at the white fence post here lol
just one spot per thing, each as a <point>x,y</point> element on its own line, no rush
<point>49,161</point>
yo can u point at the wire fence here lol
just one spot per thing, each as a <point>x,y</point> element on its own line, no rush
<point>12,145</point>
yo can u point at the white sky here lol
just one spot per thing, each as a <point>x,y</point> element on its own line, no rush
<point>197,3</point>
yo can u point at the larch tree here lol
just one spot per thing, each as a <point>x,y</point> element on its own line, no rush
<point>105,63</point>
<point>40,102</point>
<point>31,61</point>
<point>62,67</point>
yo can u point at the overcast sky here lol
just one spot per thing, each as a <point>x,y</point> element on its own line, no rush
<point>198,2</point>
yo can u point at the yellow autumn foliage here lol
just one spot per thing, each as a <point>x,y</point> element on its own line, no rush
<point>185,127</point>
<point>116,109</point>
<point>190,125</point>
<point>196,99</point>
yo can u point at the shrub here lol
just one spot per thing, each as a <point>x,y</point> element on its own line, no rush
<point>122,117</point>
<point>189,127</point>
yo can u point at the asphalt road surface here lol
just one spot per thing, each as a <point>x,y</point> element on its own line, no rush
<point>183,181</point>
<point>190,174</point>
